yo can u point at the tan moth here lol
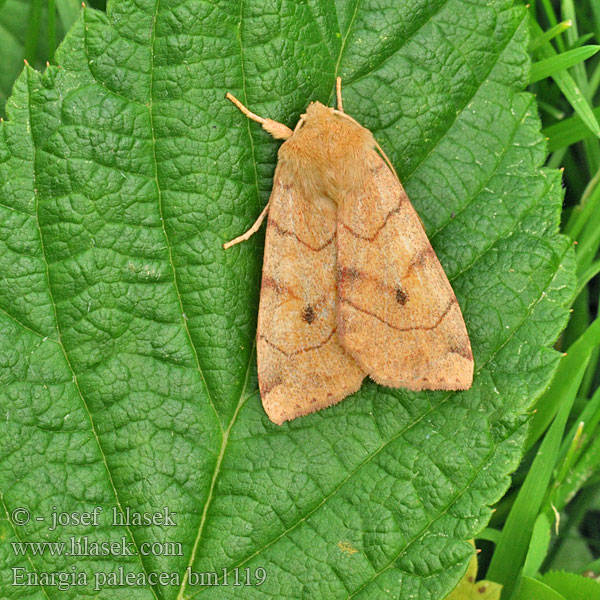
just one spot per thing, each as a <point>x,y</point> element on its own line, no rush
<point>351,285</point>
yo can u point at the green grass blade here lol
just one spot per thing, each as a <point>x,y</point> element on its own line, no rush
<point>515,540</point>
<point>578,475</point>
<point>550,66</point>
<point>556,159</point>
<point>33,30</point>
<point>549,35</point>
<point>538,548</point>
<point>587,275</point>
<point>572,442</point>
<point>568,132</point>
<point>589,239</point>
<point>580,41</point>
<point>555,113</point>
<point>568,86</point>
<point>587,207</point>
<point>490,534</point>
<point>569,14</point>
<point>553,20</point>
<point>590,416</point>
<point>566,380</point>
<point>596,12</point>
<point>532,589</point>
<point>589,379</point>
<point>573,94</point>
<point>565,384</point>
<point>51,30</point>
<point>579,322</point>
<point>594,81</point>
<point>591,146</point>
<point>512,548</point>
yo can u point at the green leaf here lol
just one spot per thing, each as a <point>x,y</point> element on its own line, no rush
<point>24,34</point>
<point>560,62</point>
<point>572,586</point>
<point>533,588</point>
<point>127,332</point>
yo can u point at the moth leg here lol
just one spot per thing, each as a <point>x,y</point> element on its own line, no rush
<point>278,130</point>
<point>338,91</point>
<point>248,234</point>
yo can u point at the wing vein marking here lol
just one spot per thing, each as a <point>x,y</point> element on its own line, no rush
<point>281,231</point>
<point>371,238</point>
<point>351,273</point>
<point>301,350</point>
<point>415,327</point>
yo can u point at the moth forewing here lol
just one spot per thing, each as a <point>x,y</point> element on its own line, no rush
<point>398,315</point>
<point>301,365</point>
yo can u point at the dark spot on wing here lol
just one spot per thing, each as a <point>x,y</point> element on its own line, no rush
<point>348,273</point>
<point>401,296</point>
<point>308,314</point>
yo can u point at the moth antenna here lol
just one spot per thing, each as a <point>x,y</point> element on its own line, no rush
<point>338,91</point>
<point>248,234</point>
<point>387,160</point>
<point>278,130</point>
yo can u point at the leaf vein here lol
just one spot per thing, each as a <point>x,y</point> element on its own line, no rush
<point>459,113</point>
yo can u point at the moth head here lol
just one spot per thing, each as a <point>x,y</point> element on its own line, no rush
<point>316,110</point>
<point>333,124</point>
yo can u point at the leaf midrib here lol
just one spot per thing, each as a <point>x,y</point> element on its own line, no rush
<point>241,399</point>
<point>343,46</point>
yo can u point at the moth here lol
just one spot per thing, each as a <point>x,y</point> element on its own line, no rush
<point>350,283</point>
